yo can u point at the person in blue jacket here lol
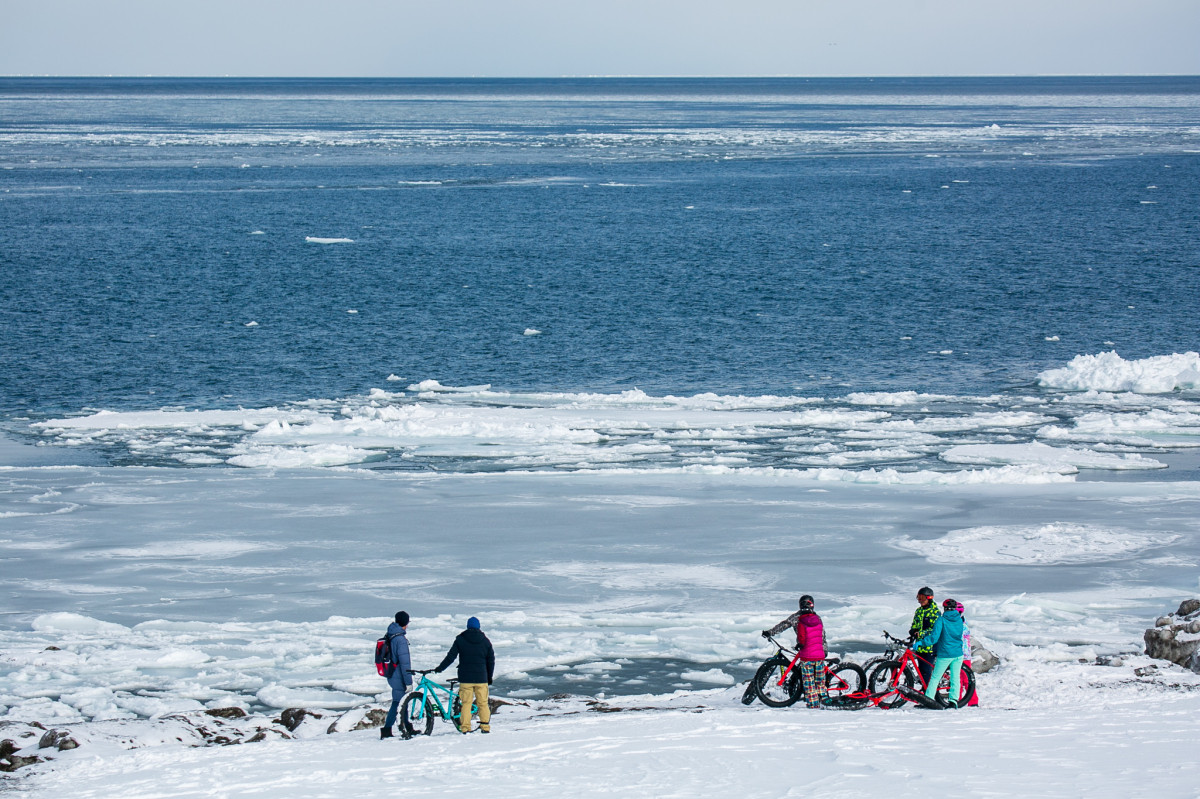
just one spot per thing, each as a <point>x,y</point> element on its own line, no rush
<point>401,678</point>
<point>946,638</point>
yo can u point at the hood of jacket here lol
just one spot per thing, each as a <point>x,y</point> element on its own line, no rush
<point>395,629</point>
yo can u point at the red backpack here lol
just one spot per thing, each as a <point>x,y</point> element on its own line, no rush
<point>383,657</point>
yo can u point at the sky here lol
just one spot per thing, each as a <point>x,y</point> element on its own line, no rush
<point>547,38</point>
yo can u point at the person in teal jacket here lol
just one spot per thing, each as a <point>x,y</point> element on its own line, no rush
<point>946,638</point>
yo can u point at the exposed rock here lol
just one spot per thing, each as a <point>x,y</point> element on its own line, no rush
<point>52,649</point>
<point>7,747</point>
<point>293,717</point>
<point>982,659</point>
<point>14,762</point>
<point>1178,640</point>
<point>58,739</point>
<point>357,719</point>
<point>226,713</point>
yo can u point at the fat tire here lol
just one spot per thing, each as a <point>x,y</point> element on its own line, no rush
<point>751,692</point>
<point>882,679</point>
<point>847,680</point>
<point>409,726</point>
<point>766,685</point>
<point>965,688</point>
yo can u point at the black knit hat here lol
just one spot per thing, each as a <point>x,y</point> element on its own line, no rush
<point>402,619</point>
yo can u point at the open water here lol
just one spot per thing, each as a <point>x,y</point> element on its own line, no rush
<point>222,244</point>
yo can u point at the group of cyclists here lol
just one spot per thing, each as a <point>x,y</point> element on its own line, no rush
<point>940,640</point>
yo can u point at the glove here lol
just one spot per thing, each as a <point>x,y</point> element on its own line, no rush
<point>489,680</point>
<point>766,633</point>
<point>438,671</point>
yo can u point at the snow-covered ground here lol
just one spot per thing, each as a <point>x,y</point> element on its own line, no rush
<point>173,591</point>
<point>137,593</point>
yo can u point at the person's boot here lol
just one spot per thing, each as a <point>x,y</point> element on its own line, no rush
<point>385,732</point>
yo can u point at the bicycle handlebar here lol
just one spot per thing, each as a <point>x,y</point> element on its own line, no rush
<point>771,638</point>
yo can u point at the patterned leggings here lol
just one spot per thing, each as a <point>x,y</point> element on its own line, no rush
<point>812,680</point>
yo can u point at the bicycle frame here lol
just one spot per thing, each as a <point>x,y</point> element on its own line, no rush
<point>826,671</point>
<point>430,690</point>
<point>897,692</point>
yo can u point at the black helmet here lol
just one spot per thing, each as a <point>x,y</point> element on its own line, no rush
<point>926,591</point>
<point>806,602</point>
<point>950,604</point>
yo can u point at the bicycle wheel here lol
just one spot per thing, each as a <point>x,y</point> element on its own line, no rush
<point>766,683</point>
<point>456,709</point>
<point>845,682</point>
<point>415,716</point>
<point>882,683</point>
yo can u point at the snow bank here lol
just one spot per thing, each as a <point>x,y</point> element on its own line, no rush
<point>1058,459</point>
<point>1108,371</point>
<point>1046,544</point>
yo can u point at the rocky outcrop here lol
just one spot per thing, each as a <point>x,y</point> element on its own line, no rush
<point>982,659</point>
<point>1176,636</point>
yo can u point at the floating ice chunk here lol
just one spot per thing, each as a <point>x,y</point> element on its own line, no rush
<point>1108,371</point>
<point>75,623</point>
<point>251,323</point>
<point>394,378</point>
<point>433,385</point>
<point>321,240</point>
<point>712,676</point>
<point>530,331</point>
<point>1062,460</point>
<point>301,457</point>
<point>892,398</point>
<point>257,233</point>
<point>279,696</point>
<point>598,667</point>
<point>1000,475</point>
<point>351,310</point>
<point>1044,545</point>
<point>1052,338</point>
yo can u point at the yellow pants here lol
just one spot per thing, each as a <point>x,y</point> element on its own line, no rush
<point>476,692</point>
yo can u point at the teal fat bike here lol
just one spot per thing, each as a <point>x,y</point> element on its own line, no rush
<point>423,704</point>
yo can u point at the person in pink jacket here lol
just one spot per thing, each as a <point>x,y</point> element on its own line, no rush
<point>974,700</point>
<point>810,643</point>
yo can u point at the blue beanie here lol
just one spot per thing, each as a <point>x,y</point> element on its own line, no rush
<point>472,623</point>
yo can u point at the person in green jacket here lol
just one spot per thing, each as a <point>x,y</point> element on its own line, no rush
<point>923,620</point>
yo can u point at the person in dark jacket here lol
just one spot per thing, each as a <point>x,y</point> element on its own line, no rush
<point>476,663</point>
<point>923,621</point>
<point>946,638</point>
<point>401,678</point>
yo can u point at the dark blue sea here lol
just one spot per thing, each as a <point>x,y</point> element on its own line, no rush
<point>223,244</point>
